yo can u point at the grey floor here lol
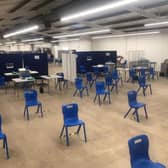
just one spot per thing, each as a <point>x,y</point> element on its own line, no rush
<point>36,143</point>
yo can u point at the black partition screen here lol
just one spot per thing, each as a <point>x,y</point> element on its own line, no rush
<point>90,58</point>
<point>10,62</point>
<point>35,61</point>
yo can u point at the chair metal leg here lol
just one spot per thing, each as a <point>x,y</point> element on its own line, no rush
<point>67,136</point>
<point>78,129</point>
<point>144,90</point>
<point>41,110</point>
<point>109,97</point>
<point>84,131</point>
<point>25,110</point>
<point>81,91</point>
<point>138,89</point>
<point>150,89</point>
<point>116,85</point>
<point>127,112</point>
<point>137,116</point>
<point>104,97</point>
<point>99,100</point>
<point>27,113</point>
<point>38,109</point>
<point>95,98</point>
<point>87,92</point>
<point>75,92</point>
<point>146,114</point>
<point>62,131</point>
<point>6,147</point>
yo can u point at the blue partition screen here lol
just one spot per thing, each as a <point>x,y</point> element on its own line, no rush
<point>90,58</point>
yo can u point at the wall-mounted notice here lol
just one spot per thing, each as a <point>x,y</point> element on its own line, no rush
<point>36,57</point>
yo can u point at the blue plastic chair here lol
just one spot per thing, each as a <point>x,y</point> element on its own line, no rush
<point>139,156</point>
<point>134,104</point>
<point>106,69</point>
<point>96,71</point>
<point>100,90</point>
<point>90,79</point>
<point>4,138</point>
<point>142,72</point>
<point>70,114</point>
<point>61,81</point>
<point>152,73</point>
<point>80,87</point>
<point>109,83</point>
<point>82,69</point>
<point>32,100</point>
<point>116,77</point>
<point>144,85</point>
<point>2,83</point>
<point>132,75</point>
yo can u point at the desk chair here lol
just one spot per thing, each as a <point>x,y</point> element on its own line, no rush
<point>80,87</point>
<point>2,83</point>
<point>4,138</point>
<point>144,85</point>
<point>70,115</point>
<point>139,155</point>
<point>134,104</point>
<point>110,84</point>
<point>90,79</point>
<point>100,90</point>
<point>116,77</point>
<point>32,100</point>
<point>132,75</point>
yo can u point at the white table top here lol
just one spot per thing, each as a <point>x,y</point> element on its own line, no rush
<point>98,66</point>
<point>122,69</point>
<point>17,73</point>
<point>20,80</point>
<point>50,77</point>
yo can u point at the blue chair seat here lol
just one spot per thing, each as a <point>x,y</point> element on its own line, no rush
<point>147,164</point>
<point>33,103</point>
<point>2,136</point>
<point>137,105</point>
<point>72,122</point>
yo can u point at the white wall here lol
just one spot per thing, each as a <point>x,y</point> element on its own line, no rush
<point>152,47</point>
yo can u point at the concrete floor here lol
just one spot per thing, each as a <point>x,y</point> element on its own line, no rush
<point>36,143</point>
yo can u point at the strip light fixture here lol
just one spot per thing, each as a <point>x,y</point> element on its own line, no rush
<point>10,42</point>
<point>22,31</point>
<point>82,34</point>
<point>98,10</point>
<point>125,35</point>
<point>32,40</point>
<point>65,40</point>
<point>156,24</point>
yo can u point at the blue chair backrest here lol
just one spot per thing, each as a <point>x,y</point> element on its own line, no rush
<point>60,74</point>
<point>108,80</point>
<point>132,73</point>
<point>132,97</point>
<point>70,111</point>
<point>100,86</point>
<point>89,76</point>
<point>0,123</point>
<point>142,72</point>
<point>96,70</point>
<point>78,83</point>
<point>142,80</point>
<point>138,148</point>
<point>106,70</point>
<point>30,96</point>
<point>115,74</point>
<point>2,80</point>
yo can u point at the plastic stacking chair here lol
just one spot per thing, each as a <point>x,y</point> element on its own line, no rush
<point>132,101</point>
<point>142,72</point>
<point>61,81</point>
<point>116,77</point>
<point>144,85</point>
<point>2,83</point>
<point>32,100</point>
<point>132,75</point>
<point>70,114</point>
<point>82,69</point>
<point>152,73</point>
<point>106,69</point>
<point>139,155</point>
<point>100,90</point>
<point>90,79</point>
<point>80,87</point>
<point>96,72</point>
<point>110,84</point>
<point>4,138</point>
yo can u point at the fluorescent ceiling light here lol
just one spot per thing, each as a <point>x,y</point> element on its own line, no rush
<point>31,40</point>
<point>98,10</point>
<point>82,34</point>
<point>22,31</point>
<point>126,35</point>
<point>11,42</point>
<point>65,40</point>
<point>156,24</point>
